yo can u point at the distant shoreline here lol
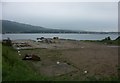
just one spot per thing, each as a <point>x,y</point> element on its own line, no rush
<point>64,33</point>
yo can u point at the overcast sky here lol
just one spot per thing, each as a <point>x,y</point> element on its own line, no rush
<point>89,16</point>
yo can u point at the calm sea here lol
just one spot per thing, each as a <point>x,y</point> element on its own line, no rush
<point>63,36</point>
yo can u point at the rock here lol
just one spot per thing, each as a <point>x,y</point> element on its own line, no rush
<point>31,57</point>
<point>58,62</point>
<point>20,54</point>
<point>85,71</point>
<point>18,51</point>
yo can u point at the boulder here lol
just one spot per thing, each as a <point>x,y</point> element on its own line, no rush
<point>31,57</point>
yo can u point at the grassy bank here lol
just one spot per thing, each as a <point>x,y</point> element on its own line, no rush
<point>0,62</point>
<point>106,41</point>
<point>14,69</point>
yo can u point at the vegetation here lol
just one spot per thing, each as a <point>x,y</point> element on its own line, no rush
<point>111,42</point>
<point>7,42</point>
<point>0,62</point>
<point>15,27</point>
<point>107,41</point>
<point>14,69</point>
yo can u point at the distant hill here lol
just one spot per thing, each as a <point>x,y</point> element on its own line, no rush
<point>10,26</point>
<point>15,27</point>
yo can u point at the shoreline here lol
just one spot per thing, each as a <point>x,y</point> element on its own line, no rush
<point>60,43</point>
<point>70,33</point>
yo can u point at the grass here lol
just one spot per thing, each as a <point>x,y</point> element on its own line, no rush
<point>107,42</point>
<point>14,69</point>
<point>0,62</point>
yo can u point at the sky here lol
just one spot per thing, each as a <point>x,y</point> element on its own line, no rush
<point>88,16</point>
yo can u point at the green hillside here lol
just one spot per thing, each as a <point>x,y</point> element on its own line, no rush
<point>11,26</point>
<point>15,27</point>
<point>14,69</point>
<point>0,62</point>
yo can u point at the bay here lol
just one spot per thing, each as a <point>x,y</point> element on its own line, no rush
<point>62,36</point>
